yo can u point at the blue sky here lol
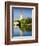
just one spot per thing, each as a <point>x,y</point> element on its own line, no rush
<point>27,12</point>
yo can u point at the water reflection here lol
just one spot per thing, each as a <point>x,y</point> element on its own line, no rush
<point>18,32</point>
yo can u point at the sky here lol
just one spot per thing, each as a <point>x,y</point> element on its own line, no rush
<point>26,12</point>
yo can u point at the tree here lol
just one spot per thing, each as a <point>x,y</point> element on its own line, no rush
<point>24,26</point>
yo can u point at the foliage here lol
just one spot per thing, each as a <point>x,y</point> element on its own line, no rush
<point>23,24</point>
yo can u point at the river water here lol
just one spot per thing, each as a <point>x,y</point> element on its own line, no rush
<point>17,32</point>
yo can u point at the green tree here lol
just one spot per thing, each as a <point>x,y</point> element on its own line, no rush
<point>24,26</point>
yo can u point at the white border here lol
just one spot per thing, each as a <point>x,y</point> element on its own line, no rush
<point>33,25</point>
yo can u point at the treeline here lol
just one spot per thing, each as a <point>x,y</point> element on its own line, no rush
<point>24,24</point>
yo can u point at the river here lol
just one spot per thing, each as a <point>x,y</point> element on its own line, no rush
<point>17,32</point>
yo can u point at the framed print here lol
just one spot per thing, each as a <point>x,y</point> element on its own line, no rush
<point>21,22</point>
